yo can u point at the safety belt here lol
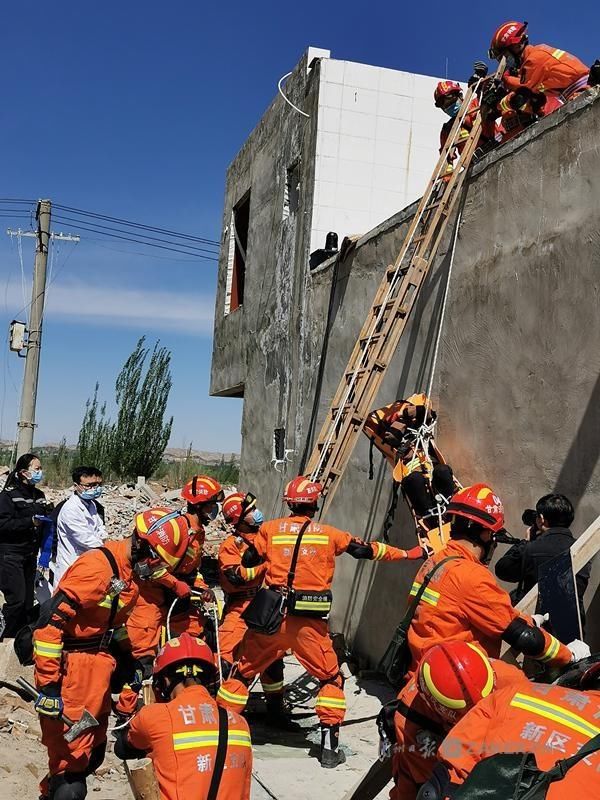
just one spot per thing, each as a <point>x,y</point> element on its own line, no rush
<point>215,781</point>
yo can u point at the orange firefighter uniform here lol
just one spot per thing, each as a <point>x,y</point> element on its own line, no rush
<point>72,654</point>
<point>307,637</point>
<point>240,584</point>
<point>552,722</point>
<point>464,602</point>
<point>551,72</point>
<point>414,755</point>
<point>181,738</point>
<point>145,628</point>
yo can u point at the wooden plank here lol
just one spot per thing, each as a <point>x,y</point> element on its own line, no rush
<point>584,549</point>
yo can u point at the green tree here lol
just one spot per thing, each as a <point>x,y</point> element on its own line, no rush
<point>140,435</point>
<point>94,443</point>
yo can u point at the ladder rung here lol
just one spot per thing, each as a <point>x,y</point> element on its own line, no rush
<point>373,339</point>
<point>388,306</point>
<point>354,417</point>
<point>433,205</point>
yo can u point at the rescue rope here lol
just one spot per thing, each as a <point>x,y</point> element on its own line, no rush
<point>442,316</point>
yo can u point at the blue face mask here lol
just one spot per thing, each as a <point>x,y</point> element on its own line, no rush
<point>91,494</point>
<point>452,110</point>
<point>36,476</point>
<point>257,517</point>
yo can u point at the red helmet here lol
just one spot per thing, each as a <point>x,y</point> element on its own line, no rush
<point>479,504</point>
<point>442,90</point>
<point>162,537</point>
<point>453,677</point>
<point>181,658</point>
<point>508,34</point>
<point>202,489</point>
<point>236,506</point>
<point>302,491</point>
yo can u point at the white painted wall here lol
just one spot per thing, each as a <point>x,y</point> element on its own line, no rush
<point>377,144</point>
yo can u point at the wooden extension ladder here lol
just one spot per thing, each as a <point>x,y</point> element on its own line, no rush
<point>395,298</point>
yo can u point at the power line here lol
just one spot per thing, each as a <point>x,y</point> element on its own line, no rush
<point>73,221</point>
<point>80,227</point>
<point>119,220</point>
<point>140,225</point>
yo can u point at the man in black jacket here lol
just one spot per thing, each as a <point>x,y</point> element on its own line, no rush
<point>547,538</point>
<point>21,502</point>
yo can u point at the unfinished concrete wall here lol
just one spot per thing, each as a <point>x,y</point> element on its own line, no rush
<point>517,381</point>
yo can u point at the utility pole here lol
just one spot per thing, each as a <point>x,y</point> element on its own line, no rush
<point>34,340</point>
<point>33,345</point>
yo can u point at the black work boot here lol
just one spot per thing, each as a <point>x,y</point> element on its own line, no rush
<point>279,714</point>
<point>331,755</point>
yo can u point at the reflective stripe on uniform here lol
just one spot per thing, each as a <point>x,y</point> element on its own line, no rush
<point>47,649</point>
<point>272,687</point>
<point>556,713</point>
<point>551,650</point>
<point>381,551</point>
<point>191,740</point>
<point>312,605</point>
<point>311,538</point>
<point>107,602</point>
<point>331,702</point>
<point>250,573</point>
<point>429,595</point>
<point>230,697</point>
<point>558,54</point>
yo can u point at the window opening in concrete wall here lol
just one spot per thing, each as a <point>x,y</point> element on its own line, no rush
<point>236,261</point>
<point>278,444</point>
<point>291,195</point>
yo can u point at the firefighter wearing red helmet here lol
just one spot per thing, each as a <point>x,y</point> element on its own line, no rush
<point>240,584</point>
<point>182,731</point>
<point>448,95</point>
<point>545,76</point>
<point>452,677</point>
<point>463,600</point>
<point>553,723</point>
<point>304,628</point>
<point>78,640</point>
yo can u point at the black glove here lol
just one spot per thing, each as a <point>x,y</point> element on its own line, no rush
<point>480,68</point>
<point>142,671</point>
<point>493,95</point>
<point>595,73</point>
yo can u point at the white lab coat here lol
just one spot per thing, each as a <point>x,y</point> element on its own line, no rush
<point>79,528</point>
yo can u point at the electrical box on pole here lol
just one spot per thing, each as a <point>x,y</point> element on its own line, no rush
<point>16,337</point>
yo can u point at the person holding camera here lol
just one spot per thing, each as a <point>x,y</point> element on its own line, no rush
<point>21,505</point>
<point>548,535</point>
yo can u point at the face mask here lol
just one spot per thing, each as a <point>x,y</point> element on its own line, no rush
<point>452,110</point>
<point>257,517</point>
<point>512,62</point>
<point>35,476</point>
<point>91,494</point>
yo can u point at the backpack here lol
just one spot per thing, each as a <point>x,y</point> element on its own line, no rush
<point>516,776</point>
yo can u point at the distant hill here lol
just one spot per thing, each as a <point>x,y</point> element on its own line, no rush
<point>172,454</point>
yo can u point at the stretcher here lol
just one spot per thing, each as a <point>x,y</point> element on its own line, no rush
<point>404,432</point>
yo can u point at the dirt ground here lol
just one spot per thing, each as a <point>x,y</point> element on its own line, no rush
<point>285,763</point>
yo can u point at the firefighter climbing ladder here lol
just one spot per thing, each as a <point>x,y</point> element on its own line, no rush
<point>395,298</point>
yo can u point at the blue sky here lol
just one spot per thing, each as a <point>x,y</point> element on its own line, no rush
<point>135,109</point>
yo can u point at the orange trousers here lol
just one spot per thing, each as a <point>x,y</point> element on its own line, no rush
<point>231,633</point>
<point>85,684</point>
<point>309,641</point>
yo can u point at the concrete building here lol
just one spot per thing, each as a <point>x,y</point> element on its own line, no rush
<point>518,377</point>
